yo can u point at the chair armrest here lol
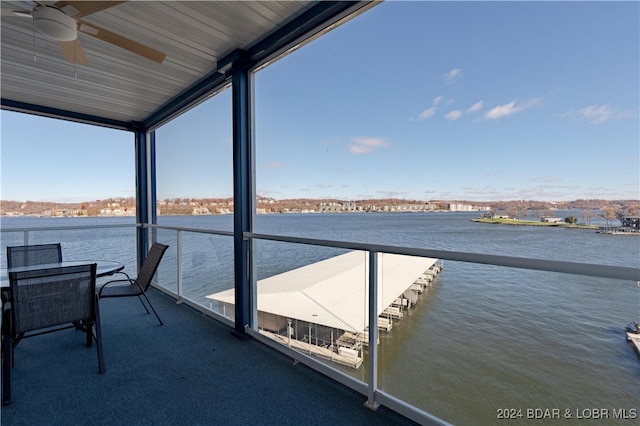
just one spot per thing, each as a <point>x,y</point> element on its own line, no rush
<point>121,272</point>
<point>130,281</point>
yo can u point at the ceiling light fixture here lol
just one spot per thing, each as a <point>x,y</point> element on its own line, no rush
<point>55,24</point>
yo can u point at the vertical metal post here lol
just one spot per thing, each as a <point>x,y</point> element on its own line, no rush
<point>152,183</point>
<point>179,266</point>
<point>243,193</point>
<point>373,331</point>
<point>142,196</point>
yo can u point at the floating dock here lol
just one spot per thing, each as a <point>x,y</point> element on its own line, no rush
<point>635,339</point>
<point>322,308</point>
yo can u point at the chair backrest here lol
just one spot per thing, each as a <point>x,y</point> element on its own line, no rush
<point>49,297</point>
<point>33,255</point>
<point>150,265</point>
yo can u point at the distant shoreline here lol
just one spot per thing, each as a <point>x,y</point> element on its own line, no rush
<point>608,209</point>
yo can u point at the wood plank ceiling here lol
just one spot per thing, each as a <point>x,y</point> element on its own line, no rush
<point>122,86</point>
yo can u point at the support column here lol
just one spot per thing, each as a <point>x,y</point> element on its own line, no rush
<point>243,193</point>
<point>373,332</point>
<point>145,189</point>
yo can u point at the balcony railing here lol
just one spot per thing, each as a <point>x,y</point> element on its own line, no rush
<point>199,263</point>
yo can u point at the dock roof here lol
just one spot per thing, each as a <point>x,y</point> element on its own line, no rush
<point>333,292</point>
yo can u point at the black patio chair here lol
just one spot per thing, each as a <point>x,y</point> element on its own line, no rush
<point>45,301</point>
<point>37,254</point>
<point>128,287</point>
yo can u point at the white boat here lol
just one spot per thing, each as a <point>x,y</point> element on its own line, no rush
<point>633,334</point>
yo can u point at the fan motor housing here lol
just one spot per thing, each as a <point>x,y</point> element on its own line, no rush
<point>55,24</point>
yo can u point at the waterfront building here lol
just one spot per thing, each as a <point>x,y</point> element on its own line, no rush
<point>629,225</point>
<point>463,207</point>
<point>632,222</point>
<point>551,219</point>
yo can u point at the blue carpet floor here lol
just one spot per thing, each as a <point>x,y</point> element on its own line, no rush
<point>190,371</point>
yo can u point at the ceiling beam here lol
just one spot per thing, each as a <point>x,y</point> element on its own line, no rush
<point>44,111</point>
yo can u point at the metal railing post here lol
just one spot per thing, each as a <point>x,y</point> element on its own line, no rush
<point>373,331</point>
<point>179,265</point>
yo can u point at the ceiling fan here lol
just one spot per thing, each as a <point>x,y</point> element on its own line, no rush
<point>61,22</point>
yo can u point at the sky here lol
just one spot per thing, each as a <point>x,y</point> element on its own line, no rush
<point>480,101</point>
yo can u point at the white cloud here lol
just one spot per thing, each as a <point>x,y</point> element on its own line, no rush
<point>453,115</point>
<point>501,111</point>
<point>600,113</point>
<point>366,145</point>
<point>596,114</point>
<point>427,113</point>
<point>452,75</point>
<point>475,107</point>
<point>275,165</point>
<point>511,108</point>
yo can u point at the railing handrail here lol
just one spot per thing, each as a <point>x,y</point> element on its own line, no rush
<point>577,268</point>
<point>186,229</point>
<point>65,228</point>
<point>128,225</point>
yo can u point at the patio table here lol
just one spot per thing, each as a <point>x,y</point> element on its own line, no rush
<point>103,268</point>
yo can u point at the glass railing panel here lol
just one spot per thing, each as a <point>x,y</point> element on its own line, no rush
<point>221,222</point>
<point>314,301</point>
<point>484,343</point>
<point>273,257</point>
<point>207,267</point>
<point>196,265</point>
<point>87,243</point>
<point>167,274</point>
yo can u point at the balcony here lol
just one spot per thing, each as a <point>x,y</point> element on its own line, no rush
<point>191,370</point>
<point>220,47</point>
<point>195,358</point>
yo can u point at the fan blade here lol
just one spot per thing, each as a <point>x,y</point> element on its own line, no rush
<point>19,13</point>
<point>78,9</point>
<point>73,51</point>
<point>120,41</point>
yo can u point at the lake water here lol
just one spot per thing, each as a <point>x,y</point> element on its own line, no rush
<point>482,339</point>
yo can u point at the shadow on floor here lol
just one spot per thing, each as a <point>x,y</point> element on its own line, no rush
<point>190,371</point>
